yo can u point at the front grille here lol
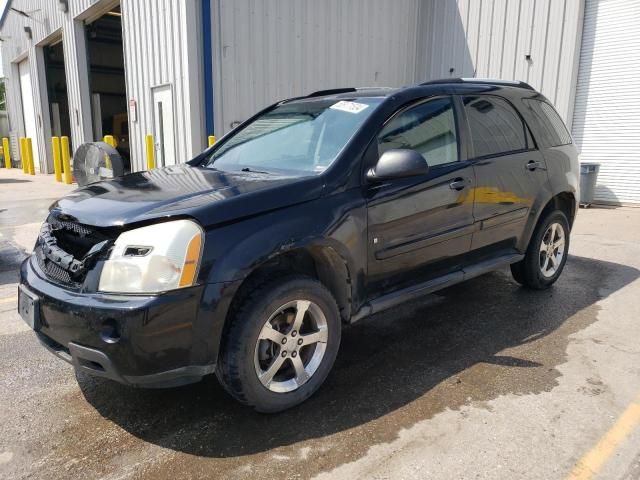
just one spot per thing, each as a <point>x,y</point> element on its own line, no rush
<point>52,271</point>
<point>77,228</point>
<point>74,238</point>
<point>62,240</point>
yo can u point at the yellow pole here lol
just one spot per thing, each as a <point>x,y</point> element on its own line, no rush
<point>23,155</point>
<point>66,159</point>
<point>57,161</point>
<point>151,160</point>
<point>32,167</point>
<point>212,139</point>
<point>6,152</point>
<point>110,139</point>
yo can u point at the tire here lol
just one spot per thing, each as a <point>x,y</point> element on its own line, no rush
<point>251,352</point>
<point>532,271</point>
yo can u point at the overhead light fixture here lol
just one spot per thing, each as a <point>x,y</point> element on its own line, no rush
<point>63,5</point>
<point>114,14</point>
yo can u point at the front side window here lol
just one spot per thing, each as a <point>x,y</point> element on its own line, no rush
<point>297,138</point>
<point>429,128</point>
<point>495,126</point>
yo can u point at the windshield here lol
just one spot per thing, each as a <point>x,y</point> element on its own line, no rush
<point>298,138</point>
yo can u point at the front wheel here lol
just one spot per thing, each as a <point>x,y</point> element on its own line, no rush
<point>281,345</point>
<point>546,255</point>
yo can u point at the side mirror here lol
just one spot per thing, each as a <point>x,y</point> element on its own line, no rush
<point>398,163</point>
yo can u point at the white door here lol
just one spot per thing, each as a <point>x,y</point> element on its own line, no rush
<point>28,109</point>
<point>164,133</point>
<point>606,122</point>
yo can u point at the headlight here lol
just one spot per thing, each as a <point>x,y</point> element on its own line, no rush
<point>153,259</point>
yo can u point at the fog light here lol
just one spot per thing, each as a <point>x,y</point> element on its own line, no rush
<point>110,333</point>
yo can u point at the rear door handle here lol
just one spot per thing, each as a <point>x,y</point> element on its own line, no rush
<point>458,184</point>
<point>534,165</point>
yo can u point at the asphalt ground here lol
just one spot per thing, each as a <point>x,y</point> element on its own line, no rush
<point>481,380</point>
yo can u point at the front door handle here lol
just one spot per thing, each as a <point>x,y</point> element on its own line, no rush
<point>534,165</point>
<point>458,184</point>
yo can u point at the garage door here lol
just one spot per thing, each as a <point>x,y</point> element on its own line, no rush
<point>28,110</point>
<point>606,122</point>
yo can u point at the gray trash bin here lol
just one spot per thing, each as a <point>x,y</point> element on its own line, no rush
<point>588,178</point>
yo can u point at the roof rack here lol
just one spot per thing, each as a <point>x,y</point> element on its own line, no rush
<point>485,81</point>
<point>333,91</point>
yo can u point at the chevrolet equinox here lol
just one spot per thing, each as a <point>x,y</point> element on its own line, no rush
<point>316,212</point>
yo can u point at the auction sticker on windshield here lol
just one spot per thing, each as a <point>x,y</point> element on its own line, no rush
<point>351,107</point>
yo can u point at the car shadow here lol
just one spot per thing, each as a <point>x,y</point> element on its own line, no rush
<point>12,180</point>
<point>513,338</point>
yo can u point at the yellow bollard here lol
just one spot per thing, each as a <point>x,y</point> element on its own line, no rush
<point>212,139</point>
<point>23,155</point>
<point>57,161</point>
<point>110,139</point>
<point>32,167</point>
<point>66,159</point>
<point>6,151</point>
<point>151,159</point>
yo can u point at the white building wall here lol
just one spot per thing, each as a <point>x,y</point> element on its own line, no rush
<point>47,23</point>
<point>162,45</point>
<point>18,47</point>
<point>492,38</point>
<point>266,50</point>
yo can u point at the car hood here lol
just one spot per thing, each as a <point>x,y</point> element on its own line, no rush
<point>210,196</point>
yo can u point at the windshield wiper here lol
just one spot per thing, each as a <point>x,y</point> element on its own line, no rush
<point>247,169</point>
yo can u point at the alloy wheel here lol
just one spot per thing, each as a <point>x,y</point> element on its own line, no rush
<point>552,249</point>
<point>291,346</point>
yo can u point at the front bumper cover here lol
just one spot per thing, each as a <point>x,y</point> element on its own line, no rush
<point>141,340</point>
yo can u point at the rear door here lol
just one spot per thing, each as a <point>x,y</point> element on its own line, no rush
<point>419,227</point>
<point>510,172</point>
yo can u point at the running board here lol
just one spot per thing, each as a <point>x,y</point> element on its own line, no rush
<point>415,291</point>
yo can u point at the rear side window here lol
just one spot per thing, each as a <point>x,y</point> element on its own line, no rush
<point>495,126</point>
<point>429,128</point>
<point>551,124</point>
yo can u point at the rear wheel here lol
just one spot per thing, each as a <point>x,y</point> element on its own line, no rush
<point>546,255</point>
<point>281,345</point>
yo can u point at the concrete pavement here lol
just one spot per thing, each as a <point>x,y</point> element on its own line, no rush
<point>482,380</point>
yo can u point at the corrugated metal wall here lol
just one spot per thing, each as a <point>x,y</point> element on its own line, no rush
<point>48,23</point>
<point>17,47</point>
<point>163,46</point>
<point>491,39</point>
<point>266,50</point>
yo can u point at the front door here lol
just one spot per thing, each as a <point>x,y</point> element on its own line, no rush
<point>420,227</point>
<point>164,133</point>
<point>510,172</point>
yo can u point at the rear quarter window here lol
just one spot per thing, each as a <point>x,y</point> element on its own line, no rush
<point>549,122</point>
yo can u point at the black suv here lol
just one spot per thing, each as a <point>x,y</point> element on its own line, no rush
<point>318,211</point>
